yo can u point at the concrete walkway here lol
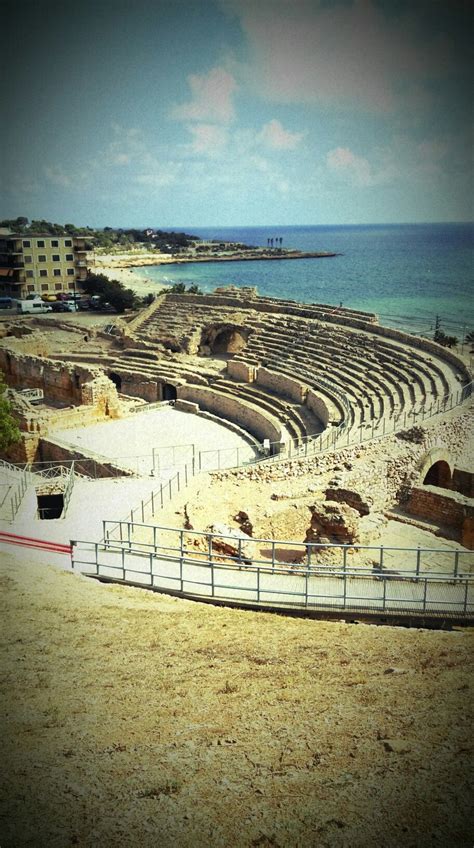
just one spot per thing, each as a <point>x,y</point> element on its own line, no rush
<point>262,587</point>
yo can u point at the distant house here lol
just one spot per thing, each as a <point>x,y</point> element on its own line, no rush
<point>40,262</point>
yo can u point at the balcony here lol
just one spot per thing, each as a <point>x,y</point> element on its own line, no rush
<point>81,263</point>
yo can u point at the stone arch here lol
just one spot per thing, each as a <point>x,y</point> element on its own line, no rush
<point>436,469</point>
<point>224,339</point>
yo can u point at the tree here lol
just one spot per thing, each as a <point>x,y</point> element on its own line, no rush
<point>110,291</point>
<point>444,340</point>
<point>9,430</point>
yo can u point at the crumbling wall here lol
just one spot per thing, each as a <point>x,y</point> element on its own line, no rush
<point>61,382</point>
<point>443,507</point>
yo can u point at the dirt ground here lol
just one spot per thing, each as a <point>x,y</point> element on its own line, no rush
<point>136,719</point>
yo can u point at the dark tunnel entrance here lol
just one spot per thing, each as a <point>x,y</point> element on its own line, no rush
<point>116,380</point>
<point>439,475</point>
<point>50,506</point>
<point>169,392</point>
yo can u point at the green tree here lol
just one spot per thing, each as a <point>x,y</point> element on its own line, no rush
<point>110,291</point>
<point>9,430</point>
<point>444,340</point>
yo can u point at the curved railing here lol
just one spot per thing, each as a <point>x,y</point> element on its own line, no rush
<point>238,570</point>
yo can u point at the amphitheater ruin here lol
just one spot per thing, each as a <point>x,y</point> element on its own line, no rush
<point>257,452</point>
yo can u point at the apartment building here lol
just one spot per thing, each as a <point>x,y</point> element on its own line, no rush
<point>41,263</point>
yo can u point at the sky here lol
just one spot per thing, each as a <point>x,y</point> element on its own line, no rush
<point>237,112</point>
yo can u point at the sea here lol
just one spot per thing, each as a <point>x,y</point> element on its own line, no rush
<point>410,275</point>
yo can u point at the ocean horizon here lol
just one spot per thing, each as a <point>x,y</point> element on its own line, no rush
<point>408,274</point>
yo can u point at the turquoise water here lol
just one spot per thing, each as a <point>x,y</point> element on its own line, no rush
<point>407,274</point>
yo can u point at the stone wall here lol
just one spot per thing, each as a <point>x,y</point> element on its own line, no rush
<point>326,411</point>
<point>93,464</point>
<point>241,371</point>
<point>463,482</point>
<point>443,507</point>
<point>256,422</point>
<point>135,387</point>
<point>61,382</point>
<point>286,387</point>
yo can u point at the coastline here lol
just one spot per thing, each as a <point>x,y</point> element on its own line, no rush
<point>122,266</point>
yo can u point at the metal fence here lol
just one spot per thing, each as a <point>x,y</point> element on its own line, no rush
<point>63,477</point>
<point>20,480</point>
<point>221,567</point>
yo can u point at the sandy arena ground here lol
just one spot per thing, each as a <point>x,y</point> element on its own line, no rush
<point>146,440</point>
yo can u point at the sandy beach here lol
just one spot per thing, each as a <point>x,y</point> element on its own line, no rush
<point>122,267</point>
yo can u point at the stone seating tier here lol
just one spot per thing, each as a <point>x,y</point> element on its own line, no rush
<point>292,415</point>
<point>379,371</point>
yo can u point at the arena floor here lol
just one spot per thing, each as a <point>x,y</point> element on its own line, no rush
<point>145,441</point>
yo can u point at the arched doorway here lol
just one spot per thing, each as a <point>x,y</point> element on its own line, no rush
<point>228,340</point>
<point>116,380</point>
<point>169,391</point>
<point>438,475</point>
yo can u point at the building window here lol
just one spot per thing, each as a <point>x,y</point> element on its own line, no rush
<point>30,288</point>
<point>41,258</point>
<point>27,243</point>
<point>29,274</point>
<point>68,243</point>
<point>56,257</point>
<point>57,272</point>
<point>28,259</point>
<point>43,273</point>
<point>69,257</point>
<point>44,286</point>
<point>70,272</point>
<point>54,243</point>
<point>58,286</point>
<point>40,243</point>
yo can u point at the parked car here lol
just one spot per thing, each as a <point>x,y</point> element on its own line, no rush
<point>59,306</point>
<point>6,303</point>
<point>31,307</point>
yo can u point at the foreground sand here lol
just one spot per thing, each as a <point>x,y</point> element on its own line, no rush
<point>134,719</point>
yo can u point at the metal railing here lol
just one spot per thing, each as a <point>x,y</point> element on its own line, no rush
<point>140,536</point>
<point>12,502</point>
<point>66,477</point>
<point>220,567</point>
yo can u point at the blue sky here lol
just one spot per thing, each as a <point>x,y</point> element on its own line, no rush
<point>236,112</point>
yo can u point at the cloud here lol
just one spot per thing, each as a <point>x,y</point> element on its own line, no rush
<point>212,98</point>
<point>309,52</point>
<point>209,139</point>
<point>274,136</point>
<point>354,169</point>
